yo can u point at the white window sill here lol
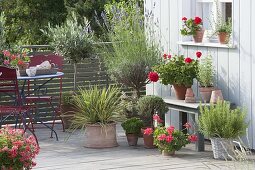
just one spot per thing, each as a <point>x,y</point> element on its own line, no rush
<point>209,44</point>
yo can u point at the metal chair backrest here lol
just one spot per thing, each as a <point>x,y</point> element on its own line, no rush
<point>9,84</point>
<point>52,58</point>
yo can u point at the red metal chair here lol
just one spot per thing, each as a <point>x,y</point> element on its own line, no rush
<point>58,61</point>
<point>9,87</point>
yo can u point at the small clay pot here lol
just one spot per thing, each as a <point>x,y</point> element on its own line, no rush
<point>132,139</point>
<point>216,95</point>
<point>189,96</point>
<point>223,37</point>
<point>205,93</point>
<point>180,91</point>
<point>148,140</point>
<point>198,37</point>
<point>166,153</point>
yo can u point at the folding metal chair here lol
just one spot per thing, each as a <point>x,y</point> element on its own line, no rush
<point>9,87</point>
<point>58,62</point>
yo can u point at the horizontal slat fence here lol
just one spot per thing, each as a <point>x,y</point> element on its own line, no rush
<point>90,72</point>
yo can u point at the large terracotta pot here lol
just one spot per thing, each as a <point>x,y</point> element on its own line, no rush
<point>180,91</point>
<point>67,114</point>
<point>223,37</point>
<point>132,139</point>
<point>98,136</point>
<point>205,93</point>
<point>198,37</point>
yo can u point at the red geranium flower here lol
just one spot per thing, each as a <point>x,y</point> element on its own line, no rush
<point>188,60</point>
<point>192,138</point>
<point>148,131</point>
<point>20,62</point>
<point>184,19</point>
<point>6,53</point>
<point>169,138</point>
<point>165,56</point>
<point>161,137</point>
<point>169,56</point>
<point>153,76</point>
<point>187,125</point>
<point>170,129</point>
<point>157,118</point>
<point>13,57</point>
<point>197,20</point>
<point>198,54</point>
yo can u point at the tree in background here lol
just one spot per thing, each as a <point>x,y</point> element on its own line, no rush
<point>25,18</point>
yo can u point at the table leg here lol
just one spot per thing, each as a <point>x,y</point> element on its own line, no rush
<point>200,144</point>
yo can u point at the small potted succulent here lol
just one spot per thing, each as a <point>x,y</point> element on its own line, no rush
<point>147,106</point>
<point>205,77</point>
<point>178,71</point>
<point>224,30</point>
<point>193,26</point>
<point>132,128</point>
<point>222,125</point>
<point>17,149</point>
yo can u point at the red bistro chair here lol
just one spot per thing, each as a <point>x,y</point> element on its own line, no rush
<point>58,62</point>
<point>9,87</point>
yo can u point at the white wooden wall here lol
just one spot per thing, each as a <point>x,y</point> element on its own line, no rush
<point>235,68</point>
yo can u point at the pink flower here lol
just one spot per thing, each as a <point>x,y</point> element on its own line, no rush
<point>153,76</point>
<point>165,56</point>
<point>162,137</point>
<point>169,56</point>
<point>148,131</point>
<point>188,60</point>
<point>6,62</point>
<point>157,118</point>
<point>6,53</point>
<point>184,19</point>
<point>198,54</point>
<point>169,138</point>
<point>170,129</point>
<point>187,125</point>
<point>192,138</point>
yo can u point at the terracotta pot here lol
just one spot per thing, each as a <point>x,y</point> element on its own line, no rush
<point>166,153</point>
<point>180,91</point>
<point>205,93</point>
<point>67,114</point>
<point>21,69</point>
<point>189,96</point>
<point>132,139</point>
<point>198,37</point>
<point>98,136</point>
<point>216,95</point>
<point>148,140</point>
<point>223,37</point>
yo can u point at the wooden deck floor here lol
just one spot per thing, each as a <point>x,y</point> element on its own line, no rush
<point>71,155</point>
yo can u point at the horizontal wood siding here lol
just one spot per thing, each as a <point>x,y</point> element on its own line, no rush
<point>235,68</point>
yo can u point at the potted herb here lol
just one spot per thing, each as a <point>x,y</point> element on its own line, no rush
<point>97,111</point>
<point>205,76</point>
<point>193,27</point>
<point>224,30</point>
<point>148,106</point>
<point>222,125</point>
<point>132,128</point>
<point>179,72</point>
<point>67,108</point>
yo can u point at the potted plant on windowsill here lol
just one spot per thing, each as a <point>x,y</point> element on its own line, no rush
<point>148,106</point>
<point>205,76</point>
<point>224,30</point>
<point>222,125</point>
<point>97,111</point>
<point>179,72</point>
<point>193,27</point>
<point>132,128</point>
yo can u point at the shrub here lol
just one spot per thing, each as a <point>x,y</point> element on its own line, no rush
<point>149,105</point>
<point>205,72</point>
<point>68,98</point>
<point>220,121</point>
<point>132,126</point>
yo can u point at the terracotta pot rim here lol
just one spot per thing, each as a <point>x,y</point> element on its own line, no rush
<point>97,124</point>
<point>223,33</point>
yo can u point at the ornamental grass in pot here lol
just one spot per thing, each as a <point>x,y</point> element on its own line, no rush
<point>205,77</point>
<point>193,26</point>
<point>222,125</point>
<point>178,71</point>
<point>148,106</point>
<point>132,128</point>
<point>97,111</point>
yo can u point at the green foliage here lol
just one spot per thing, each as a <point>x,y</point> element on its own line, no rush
<point>25,18</point>
<point>129,105</point>
<point>96,106</point>
<point>190,28</point>
<point>205,72</point>
<point>2,31</point>
<point>130,56</point>
<point>224,26</point>
<point>68,98</point>
<point>179,139</point>
<point>220,121</point>
<point>71,39</point>
<point>149,105</point>
<point>132,125</point>
<point>177,71</point>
